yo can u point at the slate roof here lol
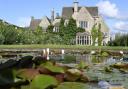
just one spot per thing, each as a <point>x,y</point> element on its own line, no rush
<point>68,11</point>
<point>34,23</point>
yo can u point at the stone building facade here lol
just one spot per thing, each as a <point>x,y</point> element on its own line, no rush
<point>85,18</point>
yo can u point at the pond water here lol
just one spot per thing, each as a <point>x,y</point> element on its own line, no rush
<point>97,65</point>
<point>96,68</point>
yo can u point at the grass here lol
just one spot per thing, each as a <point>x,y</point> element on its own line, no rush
<point>39,46</point>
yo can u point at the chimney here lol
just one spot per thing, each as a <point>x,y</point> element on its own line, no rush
<point>57,16</point>
<point>76,5</point>
<point>52,15</point>
<point>32,17</point>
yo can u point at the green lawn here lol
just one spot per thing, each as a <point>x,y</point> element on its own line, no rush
<point>37,46</point>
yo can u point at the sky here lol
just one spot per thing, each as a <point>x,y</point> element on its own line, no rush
<point>19,12</point>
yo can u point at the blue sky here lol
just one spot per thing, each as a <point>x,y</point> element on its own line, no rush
<point>114,12</point>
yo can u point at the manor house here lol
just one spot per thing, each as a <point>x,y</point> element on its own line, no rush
<point>85,18</point>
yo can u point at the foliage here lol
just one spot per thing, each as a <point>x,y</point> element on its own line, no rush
<point>52,39</point>
<point>104,54</point>
<point>94,34</point>
<point>53,68</point>
<point>82,65</point>
<point>120,40</point>
<point>2,38</point>
<point>50,29</point>
<point>97,34</point>
<point>100,35</point>
<point>80,30</point>
<point>43,82</point>
<point>61,27</point>
<point>11,34</point>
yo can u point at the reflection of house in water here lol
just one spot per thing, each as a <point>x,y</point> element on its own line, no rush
<point>56,57</point>
<point>86,58</point>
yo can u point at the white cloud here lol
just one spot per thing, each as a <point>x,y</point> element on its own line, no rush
<point>123,17</point>
<point>122,26</point>
<point>108,9</point>
<point>23,21</point>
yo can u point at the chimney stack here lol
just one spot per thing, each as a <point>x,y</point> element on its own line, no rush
<point>32,17</point>
<point>52,15</point>
<point>76,5</point>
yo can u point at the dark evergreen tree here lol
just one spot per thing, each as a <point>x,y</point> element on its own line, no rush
<point>70,31</point>
<point>50,29</point>
<point>61,27</point>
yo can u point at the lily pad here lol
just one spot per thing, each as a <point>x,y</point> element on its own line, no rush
<point>43,82</point>
<point>72,85</point>
<point>27,74</point>
<point>82,65</point>
<point>52,68</point>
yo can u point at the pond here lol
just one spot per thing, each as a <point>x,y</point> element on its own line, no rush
<point>97,66</point>
<point>99,69</point>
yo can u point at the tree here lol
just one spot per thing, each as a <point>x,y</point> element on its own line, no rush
<point>61,27</point>
<point>38,30</point>
<point>70,31</point>
<point>2,38</point>
<point>100,35</point>
<point>50,29</point>
<point>10,34</point>
<point>94,34</point>
<point>120,40</point>
<point>52,39</point>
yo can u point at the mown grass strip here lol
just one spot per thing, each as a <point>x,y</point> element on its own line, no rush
<point>39,46</point>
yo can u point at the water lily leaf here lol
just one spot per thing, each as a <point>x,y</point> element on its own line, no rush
<point>72,85</point>
<point>52,68</point>
<point>82,65</point>
<point>43,82</point>
<point>27,74</point>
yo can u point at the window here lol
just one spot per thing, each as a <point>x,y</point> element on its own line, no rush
<point>105,34</point>
<point>56,29</point>
<point>83,24</point>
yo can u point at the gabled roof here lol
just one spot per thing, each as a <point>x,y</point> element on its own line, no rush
<point>56,22</point>
<point>68,11</point>
<point>48,19</point>
<point>34,23</point>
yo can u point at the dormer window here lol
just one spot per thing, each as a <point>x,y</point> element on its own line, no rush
<point>83,24</point>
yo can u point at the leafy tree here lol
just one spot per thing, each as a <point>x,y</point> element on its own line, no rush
<point>94,34</point>
<point>70,31</point>
<point>52,39</point>
<point>61,27</point>
<point>50,29</point>
<point>120,40</point>
<point>10,34</point>
<point>38,30</point>
<point>1,39</point>
<point>100,35</point>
